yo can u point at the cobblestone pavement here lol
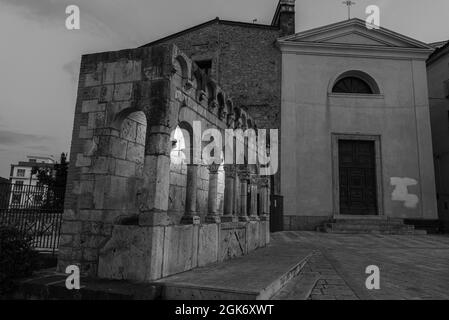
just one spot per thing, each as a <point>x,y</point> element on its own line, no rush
<point>330,286</point>
<point>411,267</point>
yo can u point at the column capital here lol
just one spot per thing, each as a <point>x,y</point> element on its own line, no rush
<point>213,168</point>
<point>244,175</point>
<point>264,182</point>
<point>254,179</point>
<point>230,170</point>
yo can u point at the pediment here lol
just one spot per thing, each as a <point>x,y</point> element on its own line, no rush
<point>354,32</point>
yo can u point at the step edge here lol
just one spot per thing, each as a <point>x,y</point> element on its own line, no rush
<point>302,281</point>
<point>268,292</point>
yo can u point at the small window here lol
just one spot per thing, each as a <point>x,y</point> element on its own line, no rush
<point>21,172</point>
<point>355,82</point>
<point>33,160</point>
<point>205,65</point>
<point>352,85</point>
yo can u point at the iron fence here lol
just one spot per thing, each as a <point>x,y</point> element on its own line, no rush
<point>35,210</point>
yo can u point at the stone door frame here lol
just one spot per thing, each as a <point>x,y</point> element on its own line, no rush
<point>336,137</point>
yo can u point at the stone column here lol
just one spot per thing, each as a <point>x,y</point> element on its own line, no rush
<point>229,194</point>
<point>153,196</point>
<point>190,215</point>
<point>213,216</point>
<point>253,209</point>
<point>264,184</point>
<point>244,177</point>
<point>236,195</point>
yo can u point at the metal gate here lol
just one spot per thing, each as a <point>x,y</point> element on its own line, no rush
<point>35,210</point>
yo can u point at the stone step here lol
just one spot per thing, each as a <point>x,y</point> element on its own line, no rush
<point>299,288</point>
<point>370,221</point>
<point>381,227</point>
<point>390,232</point>
<point>257,276</point>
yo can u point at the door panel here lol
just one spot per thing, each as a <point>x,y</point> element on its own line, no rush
<point>276,213</point>
<point>357,166</point>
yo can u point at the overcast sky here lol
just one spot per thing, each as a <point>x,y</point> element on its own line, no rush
<point>39,58</point>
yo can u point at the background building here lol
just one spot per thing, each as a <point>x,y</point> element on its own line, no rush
<point>5,190</point>
<point>438,79</point>
<point>22,180</point>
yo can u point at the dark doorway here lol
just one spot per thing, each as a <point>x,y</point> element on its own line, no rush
<point>276,213</point>
<point>357,170</point>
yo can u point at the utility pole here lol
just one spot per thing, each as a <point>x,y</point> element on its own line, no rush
<point>349,3</point>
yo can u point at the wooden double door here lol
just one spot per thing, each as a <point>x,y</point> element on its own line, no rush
<point>357,177</point>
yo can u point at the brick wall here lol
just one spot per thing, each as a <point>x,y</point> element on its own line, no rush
<point>245,62</point>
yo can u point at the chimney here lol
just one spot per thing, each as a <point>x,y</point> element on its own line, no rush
<point>284,18</point>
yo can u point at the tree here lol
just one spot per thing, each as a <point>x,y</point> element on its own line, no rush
<point>54,181</point>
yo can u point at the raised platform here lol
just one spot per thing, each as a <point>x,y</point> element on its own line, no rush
<point>259,275</point>
<point>147,254</point>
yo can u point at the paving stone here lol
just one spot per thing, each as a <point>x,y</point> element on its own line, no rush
<point>411,266</point>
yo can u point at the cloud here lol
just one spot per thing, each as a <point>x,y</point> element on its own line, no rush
<point>38,147</point>
<point>11,138</point>
<point>51,13</point>
<point>48,9</point>
<point>123,23</point>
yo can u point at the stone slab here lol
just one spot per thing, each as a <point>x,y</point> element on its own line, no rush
<point>179,247</point>
<point>258,275</point>
<point>132,253</point>
<point>232,241</point>
<point>252,235</point>
<point>208,244</point>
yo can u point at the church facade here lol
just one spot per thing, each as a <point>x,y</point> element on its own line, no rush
<point>355,126</point>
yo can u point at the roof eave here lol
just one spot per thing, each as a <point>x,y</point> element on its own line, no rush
<point>211,22</point>
<point>323,29</point>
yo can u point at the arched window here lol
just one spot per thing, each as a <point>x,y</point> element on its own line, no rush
<point>355,82</point>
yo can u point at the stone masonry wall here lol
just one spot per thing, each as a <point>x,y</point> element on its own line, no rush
<point>106,160</point>
<point>128,103</point>
<point>246,63</point>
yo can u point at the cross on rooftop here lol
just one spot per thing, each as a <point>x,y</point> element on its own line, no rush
<point>349,3</point>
